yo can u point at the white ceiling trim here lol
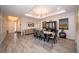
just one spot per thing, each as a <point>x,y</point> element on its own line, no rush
<point>52,14</point>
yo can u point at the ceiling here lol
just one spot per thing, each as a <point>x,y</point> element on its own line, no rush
<point>34,10</point>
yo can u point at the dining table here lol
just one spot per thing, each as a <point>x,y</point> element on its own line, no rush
<point>48,34</point>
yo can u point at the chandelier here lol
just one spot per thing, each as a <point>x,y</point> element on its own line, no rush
<point>40,11</point>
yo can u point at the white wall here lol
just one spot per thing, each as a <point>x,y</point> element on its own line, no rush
<point>3,28</point>
<point>71,32</point>
<point>26,21</point>
<point>77,42</point>
<point>78,31</point>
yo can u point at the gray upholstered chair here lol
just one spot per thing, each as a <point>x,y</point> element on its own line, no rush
<point>38,34</point>
<point>42,36</point>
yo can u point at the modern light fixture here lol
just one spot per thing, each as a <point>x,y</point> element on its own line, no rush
<point>12,18</point>
<point>40,11</point>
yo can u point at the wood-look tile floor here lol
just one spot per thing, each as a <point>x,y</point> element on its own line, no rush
<point>28,44</point>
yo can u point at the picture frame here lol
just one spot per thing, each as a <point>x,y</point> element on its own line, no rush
<point>63,23</point>
<point>31,25</point>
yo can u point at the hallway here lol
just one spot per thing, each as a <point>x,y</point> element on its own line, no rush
<point>20,44</point>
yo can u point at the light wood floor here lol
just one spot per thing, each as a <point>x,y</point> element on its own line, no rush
<point>29,44</point>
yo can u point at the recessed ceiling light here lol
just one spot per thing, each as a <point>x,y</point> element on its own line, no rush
<point>58,8</point>
<point>12,18</point>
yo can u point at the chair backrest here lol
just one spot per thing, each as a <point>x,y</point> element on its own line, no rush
<point>38,33</point>
<point>56,32</point>
<point>42,34</point>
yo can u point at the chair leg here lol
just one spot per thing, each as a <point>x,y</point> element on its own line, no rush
<point>47,40</point>
<point>55,40</point>
<point>38,37</point>
<point>44,39</point>
<point>41,38</point>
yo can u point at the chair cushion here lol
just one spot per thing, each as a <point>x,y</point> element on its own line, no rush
<point>52,37</point>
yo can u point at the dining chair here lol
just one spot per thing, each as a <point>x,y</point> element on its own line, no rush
<point>54,37</point>
<point>35,33</point>
<point>38,34</point>
<point>42,36</point>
